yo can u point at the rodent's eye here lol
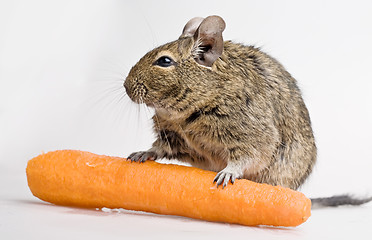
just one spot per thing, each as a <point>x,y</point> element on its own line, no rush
<point>164,61</point>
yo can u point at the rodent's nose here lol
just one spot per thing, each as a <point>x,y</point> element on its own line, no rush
<point>127,87</point>
<point>125,84</point>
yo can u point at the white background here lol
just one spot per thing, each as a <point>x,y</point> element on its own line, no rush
<point>62,65</point>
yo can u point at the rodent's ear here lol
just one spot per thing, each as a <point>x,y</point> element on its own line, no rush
<point>191,27</point>
<point>209,41</point>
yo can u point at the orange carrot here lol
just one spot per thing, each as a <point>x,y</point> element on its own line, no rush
<point>84,179</point>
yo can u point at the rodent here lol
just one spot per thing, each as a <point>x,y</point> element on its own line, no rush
<point>224,107</point>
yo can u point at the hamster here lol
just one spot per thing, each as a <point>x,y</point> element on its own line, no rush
<point>224,107</point>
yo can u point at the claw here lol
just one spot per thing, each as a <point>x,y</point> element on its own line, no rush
<point>227,179</point>
<point>135,156</point>
<point>224,177</point>
<point>233,178</point>
<point>142,156</point>
<point>145,157</point>
<point>130,157</point>
<point>216,178</point>
<point>219,178</point>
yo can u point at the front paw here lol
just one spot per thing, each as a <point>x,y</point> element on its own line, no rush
<point>225,176</point>
<point>142,156</point>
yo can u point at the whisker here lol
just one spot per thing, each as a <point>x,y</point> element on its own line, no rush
<point>114,65</point>
<point>108,79</point>
<point>108,92</point>
<point>122,97</point>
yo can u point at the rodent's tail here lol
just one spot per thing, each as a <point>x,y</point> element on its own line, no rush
<point>338,200</point>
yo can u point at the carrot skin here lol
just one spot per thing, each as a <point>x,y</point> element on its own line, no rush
<point>83,179</point>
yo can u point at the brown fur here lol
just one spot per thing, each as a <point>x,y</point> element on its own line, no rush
<point>243,115</point>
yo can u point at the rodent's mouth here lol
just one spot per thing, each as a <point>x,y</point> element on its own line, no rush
<point>137,91</point>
